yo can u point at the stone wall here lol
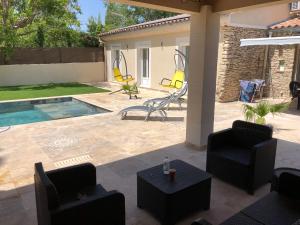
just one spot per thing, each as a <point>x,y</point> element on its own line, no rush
<point>278,82</point>
<point>237,63</point>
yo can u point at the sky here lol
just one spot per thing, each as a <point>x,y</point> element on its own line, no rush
<point>91,8</point>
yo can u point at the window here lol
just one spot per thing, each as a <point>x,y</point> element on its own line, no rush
<point>295,6</point>
<point>281,65</point>
<point>116,58</point>
<point>145,62</point>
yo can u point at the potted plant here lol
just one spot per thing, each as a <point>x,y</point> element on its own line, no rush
<point>258,113</point>
<point>131,90</point>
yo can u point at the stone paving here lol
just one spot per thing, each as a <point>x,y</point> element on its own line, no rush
<point>120,148</point>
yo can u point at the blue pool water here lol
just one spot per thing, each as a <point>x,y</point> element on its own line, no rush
<point>22,112</point>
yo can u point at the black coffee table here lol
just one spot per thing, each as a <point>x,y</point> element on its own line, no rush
<point>169,201</point>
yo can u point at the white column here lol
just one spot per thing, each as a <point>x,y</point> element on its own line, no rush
<point>204,42</point>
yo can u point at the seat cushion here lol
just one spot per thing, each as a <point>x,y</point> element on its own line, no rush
<point>234,153</point>
<point>87,191</point>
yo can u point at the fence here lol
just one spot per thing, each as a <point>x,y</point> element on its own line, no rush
<point>54,55</point>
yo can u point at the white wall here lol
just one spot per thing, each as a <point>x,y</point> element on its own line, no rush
<point>162,49</point>
<point>11,75</point>
<point>258,17</point>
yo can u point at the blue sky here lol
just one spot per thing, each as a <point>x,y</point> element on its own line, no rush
<point>90,8</point>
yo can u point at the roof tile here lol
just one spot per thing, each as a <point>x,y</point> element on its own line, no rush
<point>291,23</point>
<point>155,23</point>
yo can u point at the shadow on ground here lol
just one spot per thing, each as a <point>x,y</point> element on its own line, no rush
<point>155,118</point>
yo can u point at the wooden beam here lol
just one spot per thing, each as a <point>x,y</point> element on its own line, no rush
<point>233,5</point>
<point>178,6</point>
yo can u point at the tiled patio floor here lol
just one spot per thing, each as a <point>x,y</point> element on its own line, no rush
<point>120,148</point>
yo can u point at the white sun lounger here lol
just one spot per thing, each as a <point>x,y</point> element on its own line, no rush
<point>149,109</point>
<point>177,98</point>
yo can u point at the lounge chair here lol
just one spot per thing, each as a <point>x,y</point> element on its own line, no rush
<point>177,98</point>
<point>149,109</point>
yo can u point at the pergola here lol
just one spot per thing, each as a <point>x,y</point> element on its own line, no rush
<point>204,42</point>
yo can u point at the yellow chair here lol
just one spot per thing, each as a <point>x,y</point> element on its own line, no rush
<point>120,78</point>
<point>176,82</point>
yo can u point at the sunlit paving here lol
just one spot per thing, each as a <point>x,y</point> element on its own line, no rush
<point>121,148</point>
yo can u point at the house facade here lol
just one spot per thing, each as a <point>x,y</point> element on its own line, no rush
<point>149,48</point>
<point>283,61</point>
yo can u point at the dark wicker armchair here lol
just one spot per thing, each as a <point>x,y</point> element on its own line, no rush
<point>295,92</point>
<point>71,196</point>
<point>243,155</point>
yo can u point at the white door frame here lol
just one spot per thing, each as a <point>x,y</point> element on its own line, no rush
<point>113,47</point>
<point>139,46</point>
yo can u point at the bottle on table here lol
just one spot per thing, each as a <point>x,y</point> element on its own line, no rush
<point>166,165</point>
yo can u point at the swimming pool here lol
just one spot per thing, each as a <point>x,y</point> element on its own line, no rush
<point>23,112</point>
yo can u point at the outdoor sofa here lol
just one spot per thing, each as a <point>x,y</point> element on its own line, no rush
<point>280,207</point>
<point>243,155</point>
<point>71,196</point>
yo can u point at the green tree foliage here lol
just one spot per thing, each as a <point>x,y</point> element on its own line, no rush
<point>40,37</point>
<point>23,20</point>
<point>94,28</point>
<point>118,15</point>
<point>142,15</point>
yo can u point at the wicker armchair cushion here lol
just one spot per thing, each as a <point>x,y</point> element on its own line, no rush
<point>82,194</point>
<point>289,185</point>
<point>268,131</point>
<point>248,138</point>
<point>235,154</point>
<point>249,134</point>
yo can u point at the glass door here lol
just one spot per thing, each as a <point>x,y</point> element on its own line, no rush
<point>145,65</point>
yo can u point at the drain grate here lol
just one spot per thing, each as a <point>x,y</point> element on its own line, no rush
<point>73,161</point>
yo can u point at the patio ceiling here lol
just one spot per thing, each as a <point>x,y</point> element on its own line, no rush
<point>194,6</point>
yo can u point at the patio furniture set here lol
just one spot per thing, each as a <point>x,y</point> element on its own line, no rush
<point>243,155</point>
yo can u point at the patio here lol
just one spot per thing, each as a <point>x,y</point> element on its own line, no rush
<point>120,148</point>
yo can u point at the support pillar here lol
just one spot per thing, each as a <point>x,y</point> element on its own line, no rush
<point>204,45</point>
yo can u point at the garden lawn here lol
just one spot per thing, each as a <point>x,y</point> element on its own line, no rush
<point>47,90</point>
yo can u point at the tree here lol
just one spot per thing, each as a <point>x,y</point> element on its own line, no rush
<point>22,18</point>
<point>40,37</point>
<point>118,15</point>
<point>94,28</point>
<point>143,14</point>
